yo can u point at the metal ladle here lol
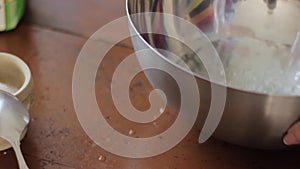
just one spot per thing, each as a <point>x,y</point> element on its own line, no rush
<point>14,119</point>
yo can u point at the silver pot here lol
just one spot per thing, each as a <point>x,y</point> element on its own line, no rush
<point>250,118</point>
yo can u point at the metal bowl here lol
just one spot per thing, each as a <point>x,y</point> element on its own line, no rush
<point>250,118</point>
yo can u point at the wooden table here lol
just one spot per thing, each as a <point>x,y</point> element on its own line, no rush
<point>49,39</point>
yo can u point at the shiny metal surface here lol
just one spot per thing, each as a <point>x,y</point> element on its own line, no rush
<point>14,119</point>
<point>250,119</point>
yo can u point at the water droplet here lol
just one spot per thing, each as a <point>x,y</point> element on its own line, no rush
<point>131,132</point>
<point>102,158</point>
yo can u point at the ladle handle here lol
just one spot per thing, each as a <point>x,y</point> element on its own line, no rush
<point>21,160</point>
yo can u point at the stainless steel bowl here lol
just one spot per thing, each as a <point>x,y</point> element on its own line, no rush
<point>250,119</point>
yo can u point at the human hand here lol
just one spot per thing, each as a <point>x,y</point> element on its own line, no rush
<point>293,135</point>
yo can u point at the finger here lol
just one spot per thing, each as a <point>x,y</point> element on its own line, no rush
<point>290,139</point>
<point>293,135</point>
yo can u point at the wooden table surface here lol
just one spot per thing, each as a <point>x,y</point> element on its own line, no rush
<point>49,39</point>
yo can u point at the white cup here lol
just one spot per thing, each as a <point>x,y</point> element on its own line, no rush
<point>16,79</point>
